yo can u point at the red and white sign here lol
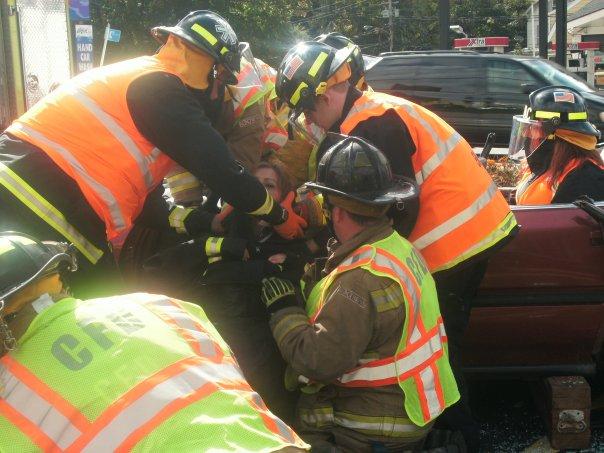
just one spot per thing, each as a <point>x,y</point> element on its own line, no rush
<point>491,41</point>
<point>587,45</point>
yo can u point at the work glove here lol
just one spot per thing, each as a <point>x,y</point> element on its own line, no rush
<point>293,226</point>
<point>278,293</point>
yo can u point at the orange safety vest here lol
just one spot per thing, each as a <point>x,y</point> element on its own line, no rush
<point>86,128</point>
<point>542,189</point>
<point>461,211</point>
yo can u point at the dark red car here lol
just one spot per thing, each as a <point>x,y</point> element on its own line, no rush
<point>540,308</point>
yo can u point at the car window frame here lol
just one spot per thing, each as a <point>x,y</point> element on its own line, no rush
<point>538,81</point>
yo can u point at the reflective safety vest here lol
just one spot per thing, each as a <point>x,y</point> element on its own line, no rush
<point>47,212</point>
<point>86,128</point>
<point>420,365</point>
<point>136,372</point>
<point>461,211</point>
<point>541,190</point>
<point>251,88</point>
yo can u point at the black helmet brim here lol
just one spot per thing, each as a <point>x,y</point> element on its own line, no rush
<point>161,34</point>
<point>341,56</point>
<point>583,127</point>
<point>370,61</point>
<point>401,191</point>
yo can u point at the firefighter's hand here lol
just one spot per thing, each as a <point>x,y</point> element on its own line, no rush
<point>278,293</point>
<point>218,220</point>
<point>293,226</point>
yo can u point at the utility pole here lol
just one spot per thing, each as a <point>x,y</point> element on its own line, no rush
<point>391,24</point>
<point>543,28</point>
<point>444,13</point>
<point>561,32</point>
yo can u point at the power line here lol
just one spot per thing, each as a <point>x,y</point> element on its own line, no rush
<point>331,14</point>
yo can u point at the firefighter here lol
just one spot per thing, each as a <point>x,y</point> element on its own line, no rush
<point>359,63</point>
<point>136,371</point>
<point>299,153</point>
<point>361,343</point>
<point>239,113</point>
<point>80,164</point>
<point>459,220</point>
<point>559,144</point>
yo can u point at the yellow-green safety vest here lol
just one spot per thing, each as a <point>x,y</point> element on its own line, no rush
<point>136,372</point>
<point>420,365</point>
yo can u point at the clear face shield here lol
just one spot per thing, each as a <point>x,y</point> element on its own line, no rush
<point>302,126</point>
<point>249,83</point>
<point>528,135</point>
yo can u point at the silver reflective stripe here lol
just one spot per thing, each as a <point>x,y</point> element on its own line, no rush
<point>182,181</point>
<point>357,257</point>
<point>441,328</point>
<point>491,239</point>
<point>429,385</point>
<point>406,282</point>
<point>119,133</point>
<point>148,405</point>
<point>445,148</point>
<point>105,194</point>
<point>213,246</point>
<point>37,410</point>
<point>276,138</point>
<point>399,366</point>
<point>284,431</point>
<point>457,220</point>
<point>205,343</point>
<point>316,417</point>
<point>384,426</point>
<point>415,335</point>
<point>47,212</point>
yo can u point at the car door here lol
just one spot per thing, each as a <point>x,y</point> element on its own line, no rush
<point>507,86</point>
<point>540,306</point>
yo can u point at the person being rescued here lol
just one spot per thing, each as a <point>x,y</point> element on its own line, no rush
<point>559,144</point>
<point>369,347</point>
<point>223,274</point>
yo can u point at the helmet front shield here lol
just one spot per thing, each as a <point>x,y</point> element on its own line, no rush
<point>248,84</point>
<point>308,130</point>
<point>528,135</point>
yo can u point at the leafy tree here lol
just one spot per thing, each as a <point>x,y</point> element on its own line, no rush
<point>265,24</point>
<point>273,26</point>
<point>493,18</point>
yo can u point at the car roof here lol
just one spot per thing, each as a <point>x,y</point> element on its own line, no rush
<point>454,53</point>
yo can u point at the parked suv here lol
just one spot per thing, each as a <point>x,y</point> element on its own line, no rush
<point>476,93</point>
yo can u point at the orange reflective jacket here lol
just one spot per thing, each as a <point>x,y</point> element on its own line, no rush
<point>542,189</point>
<point>86,128</point>
<point>461,211</point>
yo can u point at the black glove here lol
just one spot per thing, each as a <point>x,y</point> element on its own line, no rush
<point>278,293</point>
